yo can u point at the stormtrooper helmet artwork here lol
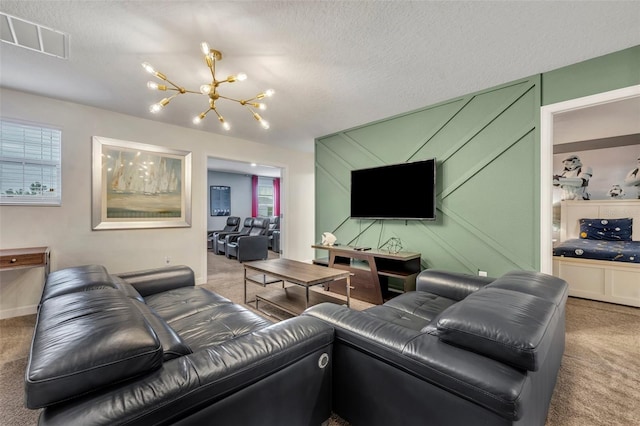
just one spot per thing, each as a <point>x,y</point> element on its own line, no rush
<point>572,162</point>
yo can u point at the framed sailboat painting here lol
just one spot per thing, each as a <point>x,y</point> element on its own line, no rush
<point>136,185</point>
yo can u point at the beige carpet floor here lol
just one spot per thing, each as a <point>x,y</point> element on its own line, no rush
<point>598,383</point>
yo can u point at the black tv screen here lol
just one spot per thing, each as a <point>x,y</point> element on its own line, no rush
<point>397,191</point>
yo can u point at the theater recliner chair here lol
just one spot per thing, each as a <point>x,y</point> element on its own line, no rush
<point>253,246</point>
<point>220,242</point>
<point>233,223</point>
<point>274,225</point>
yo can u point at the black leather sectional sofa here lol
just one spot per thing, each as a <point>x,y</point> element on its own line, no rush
<point>151,348</point>
<point>461,350</point>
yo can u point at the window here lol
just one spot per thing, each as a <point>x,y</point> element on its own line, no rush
<point>30,164</point>
<point>265,197</point>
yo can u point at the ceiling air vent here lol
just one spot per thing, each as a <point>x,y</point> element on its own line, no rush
<point>32,36</point>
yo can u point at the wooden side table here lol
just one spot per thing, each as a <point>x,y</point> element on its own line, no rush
<point>21,258</point>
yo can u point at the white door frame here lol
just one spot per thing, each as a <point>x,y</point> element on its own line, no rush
<point>547,114</point>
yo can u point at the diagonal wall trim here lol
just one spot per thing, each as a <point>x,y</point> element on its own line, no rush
<point>488,240</point>
<point>486,161</point>
<point>445,124</point>
<point>331,178</point>
<point>484,124</point>
<point>448,248</point>
<point>378,161</point>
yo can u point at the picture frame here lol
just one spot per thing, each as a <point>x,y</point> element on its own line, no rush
<point>139,186</point>
<point>220,199</point>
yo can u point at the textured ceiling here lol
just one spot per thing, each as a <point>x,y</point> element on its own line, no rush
<point>333,64</point>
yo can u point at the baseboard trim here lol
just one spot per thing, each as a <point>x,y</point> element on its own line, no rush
<point>18,312</point>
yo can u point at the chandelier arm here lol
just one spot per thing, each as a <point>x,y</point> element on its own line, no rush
<point>177,87</point>
<point>171,83</point>
<point>206,112</point>
<point>217,113</point>
<point>182,90</point>
<point>241,102</point>
<point>212,67</point>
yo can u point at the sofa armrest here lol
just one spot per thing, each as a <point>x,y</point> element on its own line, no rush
<point>152,281</point>
<point>452,285</point>
<point>221,235</point>
<point>232,238</point>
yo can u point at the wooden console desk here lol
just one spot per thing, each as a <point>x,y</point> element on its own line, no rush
<point>32,257</point>
<point>371,270</point>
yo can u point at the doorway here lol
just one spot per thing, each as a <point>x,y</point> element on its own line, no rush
<point>550,115</point>
<point>236,177</point>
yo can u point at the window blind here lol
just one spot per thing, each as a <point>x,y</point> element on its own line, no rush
<point>30,164</point>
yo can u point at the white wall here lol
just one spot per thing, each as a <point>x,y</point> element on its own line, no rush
<point>67,229</point>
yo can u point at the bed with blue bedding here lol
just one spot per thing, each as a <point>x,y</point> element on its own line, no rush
<point>599,250</point>
<point>615,251</point>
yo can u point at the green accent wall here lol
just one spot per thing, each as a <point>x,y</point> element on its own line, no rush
<point>486,146</point>
<point>602,74</point>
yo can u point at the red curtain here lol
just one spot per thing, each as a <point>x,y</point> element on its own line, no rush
<point>254,196</point>
<point>276,197</point>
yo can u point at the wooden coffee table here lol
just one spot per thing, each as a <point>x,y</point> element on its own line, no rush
<point>294,299</point>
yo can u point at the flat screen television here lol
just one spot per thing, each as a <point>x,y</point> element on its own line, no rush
<point>396,191</point>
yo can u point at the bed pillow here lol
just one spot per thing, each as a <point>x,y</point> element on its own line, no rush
<point>606,229</point>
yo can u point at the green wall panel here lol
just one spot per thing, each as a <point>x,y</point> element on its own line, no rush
<point>487,179</point>
<point>487,146</point>
<point>396,140</point>
<point>602,74</point>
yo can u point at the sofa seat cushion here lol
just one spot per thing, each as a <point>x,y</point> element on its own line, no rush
<point>172,344</point>
<point>217,324</point>
<point>84,341</point>
<point>421,304</point>
<point>398,317</point>
<point>508,326</point>
<point>202,318</point>
<point>182,302</point>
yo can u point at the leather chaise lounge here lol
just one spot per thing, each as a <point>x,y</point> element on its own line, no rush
<point>461,350</point>
<point>151,348</point>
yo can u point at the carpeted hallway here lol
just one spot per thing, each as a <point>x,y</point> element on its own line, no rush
<point>598,384</point>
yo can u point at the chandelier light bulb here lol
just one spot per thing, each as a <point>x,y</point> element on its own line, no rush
<point>262,107</point>
<point>269,93</point>
<point>155,108</point>
<point>205,47</point>
<point>147,66</point>
<point>205,89</point>
<point>152,85</point>
<point>226,126</point>
<point>265,124</point>
<point>241,77</point>
<point>197,119</point>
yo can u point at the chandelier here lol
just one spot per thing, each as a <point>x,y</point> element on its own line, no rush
<point>210,90</point>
